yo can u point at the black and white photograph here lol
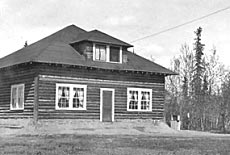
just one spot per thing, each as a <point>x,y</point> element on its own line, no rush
<point>115,77</point>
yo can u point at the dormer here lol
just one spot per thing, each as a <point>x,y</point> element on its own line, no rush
<point>107,53</point>
<point>100,47</point>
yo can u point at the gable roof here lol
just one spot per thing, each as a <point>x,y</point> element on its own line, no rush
<point>56,48</point>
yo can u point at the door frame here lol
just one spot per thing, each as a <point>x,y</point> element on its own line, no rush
<point>101,101</point>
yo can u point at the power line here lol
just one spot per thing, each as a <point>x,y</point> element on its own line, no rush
<point>186,23</point>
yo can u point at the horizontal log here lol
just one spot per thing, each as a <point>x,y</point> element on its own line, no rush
<point>70,117</point>
<point>15,117</point>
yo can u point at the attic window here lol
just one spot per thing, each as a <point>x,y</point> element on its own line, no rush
<point>100,52</point>
<point>114,54</point>
<point>107,53</point>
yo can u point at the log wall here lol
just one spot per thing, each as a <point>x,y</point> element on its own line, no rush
<point>50,74</point>
<point>22,74</point>
<point>96,79</point>
<point>103,74</point>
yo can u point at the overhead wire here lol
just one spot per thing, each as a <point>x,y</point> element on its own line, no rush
<point>180,25</point>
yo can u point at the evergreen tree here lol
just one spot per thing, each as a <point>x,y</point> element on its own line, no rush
<point>197,81</point>
<point>201,90</point>
<point>26,44</point>
<point>199,66</point>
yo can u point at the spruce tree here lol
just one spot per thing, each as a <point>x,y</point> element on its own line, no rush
<point>197,80</point>
<point>199,66</point>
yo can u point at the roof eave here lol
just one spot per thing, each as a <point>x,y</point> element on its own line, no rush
<point>102,42</point>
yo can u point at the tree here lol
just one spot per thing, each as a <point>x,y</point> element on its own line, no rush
<point>215,73</point>
<point>225,104</point>
<point>201,90</point>
<point>198,107</point>
<point>178,87</point>
<point>173,95</point>
<point>26,44</point>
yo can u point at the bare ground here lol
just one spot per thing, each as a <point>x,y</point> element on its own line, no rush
<point>120,138</point>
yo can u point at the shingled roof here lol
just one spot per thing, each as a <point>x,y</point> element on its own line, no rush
<point>100,37</point>
<point>56,48</point>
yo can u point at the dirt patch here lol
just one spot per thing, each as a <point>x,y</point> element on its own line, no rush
<point>82,127</point>
<point>141,129</point>
<point>85,129</point>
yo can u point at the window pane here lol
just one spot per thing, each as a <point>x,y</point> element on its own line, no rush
<point>17,96</point>
<point>103,56</point>
<point>14,97</point>
<point>115,54</point>
<point>63,97</point>
<point>139,99</point>
<point>145,100</point>
<point>100,53</point>
<point>20,97</point>
<point>133,99</point>
<point>97,54</point>
<point>78,98</point>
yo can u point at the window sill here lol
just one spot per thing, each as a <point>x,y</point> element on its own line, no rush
<point>73,109</point>
<point>100,60</point>
<point>139,110</point>
<point>21,109</point>
<point>112,62</point>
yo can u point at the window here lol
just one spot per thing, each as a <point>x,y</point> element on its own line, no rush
<point>100,53</point>
<point>17,97</point>
<point>70,97</point>
<point>107,53</point>
<point>114,54</point>
<point>139,99</point>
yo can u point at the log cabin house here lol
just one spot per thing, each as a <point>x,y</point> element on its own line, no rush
<point>78,74</point>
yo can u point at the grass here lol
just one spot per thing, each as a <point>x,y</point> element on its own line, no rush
<point>70,137</point>
<point>70,144</point>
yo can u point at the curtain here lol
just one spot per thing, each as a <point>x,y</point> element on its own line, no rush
<point>78,98</point>
<point>14,97</point>
<point>63,97</point>
<point>20,97</point>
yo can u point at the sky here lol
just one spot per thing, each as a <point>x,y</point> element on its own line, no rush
<point>128,20</point>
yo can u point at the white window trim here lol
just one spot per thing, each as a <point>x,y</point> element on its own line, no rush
<point>107,53</point>
<point>139,100</point>
<point>71,86</point>
<point>11,96</point>
<point>121,55</point>
<point>120,52</point>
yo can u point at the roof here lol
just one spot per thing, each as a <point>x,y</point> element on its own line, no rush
<point>56,48</point>
<point>100,37</point>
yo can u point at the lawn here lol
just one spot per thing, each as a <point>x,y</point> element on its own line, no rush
<point>71,144</point>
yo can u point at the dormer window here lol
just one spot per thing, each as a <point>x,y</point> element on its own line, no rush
<point>114,54</point>
<point>107,53</point>
<point>100,53</point>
